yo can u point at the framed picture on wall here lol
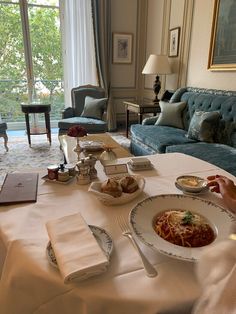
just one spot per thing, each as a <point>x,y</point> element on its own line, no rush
<point>174,42</point>
<point>122,48</point>
<point>222,52</point>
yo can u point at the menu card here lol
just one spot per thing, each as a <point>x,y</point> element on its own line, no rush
<point>19,188</point>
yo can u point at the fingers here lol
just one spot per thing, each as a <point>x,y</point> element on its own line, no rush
<point>214,186</point>
<point>215,189</point>
<point>214,177</point>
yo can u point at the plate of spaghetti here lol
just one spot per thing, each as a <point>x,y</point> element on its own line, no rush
<point>180,226</point>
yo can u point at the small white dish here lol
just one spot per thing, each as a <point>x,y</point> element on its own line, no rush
<point>139,161</point>
<point>92,146</point>
<point>140,167</point>
<point>100,234</point>
<point>203,191</point>
<point>191,183</point>
<point>95,188</point>
<point>45,178</point>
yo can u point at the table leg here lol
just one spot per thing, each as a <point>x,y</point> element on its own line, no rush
<point>140,118</point>
<point>28,127</point>
<point>127,122</point>
<point>48,127</point>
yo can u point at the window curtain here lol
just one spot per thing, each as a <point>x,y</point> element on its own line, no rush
<point>78,45</point>
<point>101,10</point>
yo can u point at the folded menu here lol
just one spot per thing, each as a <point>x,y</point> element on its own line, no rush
<point>19,188</point>
<point>78,253</point>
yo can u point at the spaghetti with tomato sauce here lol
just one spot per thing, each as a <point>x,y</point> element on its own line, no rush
<point>184,228</point>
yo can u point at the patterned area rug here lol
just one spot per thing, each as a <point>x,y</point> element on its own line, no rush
<point>21,157</point>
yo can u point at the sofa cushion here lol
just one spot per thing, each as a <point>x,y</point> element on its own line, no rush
<point>171,114</point>
<point>91,125</point>
<point>94,107</point>
<point>217,154</point>
<point>158,137</point>
<point>203,126</point>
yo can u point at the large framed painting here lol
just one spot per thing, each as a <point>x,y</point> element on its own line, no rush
<point>222,52</point>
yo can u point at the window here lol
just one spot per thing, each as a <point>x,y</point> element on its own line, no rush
<point>30,56</point>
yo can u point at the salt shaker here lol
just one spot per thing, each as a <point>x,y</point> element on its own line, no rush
<point>83,176</point>
<point>91,160</point>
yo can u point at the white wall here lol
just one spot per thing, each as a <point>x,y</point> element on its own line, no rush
<point>198,75</point>
<point>124,20</point>
<point>126,17</point>
<point>153,35</point>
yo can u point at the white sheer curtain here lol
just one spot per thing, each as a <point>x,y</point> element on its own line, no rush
<point>78,45</point>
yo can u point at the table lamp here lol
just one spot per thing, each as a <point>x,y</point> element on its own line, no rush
<point>157,64</point>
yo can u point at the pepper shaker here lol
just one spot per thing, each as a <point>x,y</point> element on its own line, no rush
<point>83,176</point>
<point>91,160</point>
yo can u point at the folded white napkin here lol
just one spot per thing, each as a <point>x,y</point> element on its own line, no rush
<point>78,253</point>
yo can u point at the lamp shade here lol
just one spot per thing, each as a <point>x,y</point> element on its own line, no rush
<point>157,64</point>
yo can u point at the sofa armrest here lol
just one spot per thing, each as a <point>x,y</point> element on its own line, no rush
<point>150,120</point>
<point>67,113</point>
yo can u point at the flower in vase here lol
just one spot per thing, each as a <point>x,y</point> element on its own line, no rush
<point>77,131</point>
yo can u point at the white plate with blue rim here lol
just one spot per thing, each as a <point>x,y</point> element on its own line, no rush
<point>100,234</point>
<point>143,215</point>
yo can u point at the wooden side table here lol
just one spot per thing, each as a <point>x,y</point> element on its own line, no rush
<point>37,108</point>
<point>140,109</point>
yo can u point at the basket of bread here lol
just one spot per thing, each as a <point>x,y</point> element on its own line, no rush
<point>118,190</point>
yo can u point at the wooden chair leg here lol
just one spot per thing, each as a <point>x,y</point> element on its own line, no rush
<point>5,137</point>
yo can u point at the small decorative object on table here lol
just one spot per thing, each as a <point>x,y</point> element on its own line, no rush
<point>63,174</point>
<point>91,160</point>
<point>77,131</point>
<point>108,156</point>
<point>83,176</point>
<point>71,169</point>
<point>140,163</point>
<point>53,172</point>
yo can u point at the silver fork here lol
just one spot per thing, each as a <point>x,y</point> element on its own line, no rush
<point>149,268</point>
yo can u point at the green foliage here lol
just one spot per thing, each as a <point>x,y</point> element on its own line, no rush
<point>46,57</point>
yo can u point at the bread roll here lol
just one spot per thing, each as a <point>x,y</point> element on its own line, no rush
<point>129,184</point>
<point>111,187</point>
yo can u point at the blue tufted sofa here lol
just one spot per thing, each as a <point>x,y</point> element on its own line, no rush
<point>149,138</point>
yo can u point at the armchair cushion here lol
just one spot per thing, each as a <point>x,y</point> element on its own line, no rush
<point>171,114</point>
<point>91,125</point>
<point>94,107</point>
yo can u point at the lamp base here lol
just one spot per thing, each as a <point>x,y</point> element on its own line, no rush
<point>156,100</point>
<point>156,88</point>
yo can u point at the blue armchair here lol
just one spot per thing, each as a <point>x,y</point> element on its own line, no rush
<point>88,107</point>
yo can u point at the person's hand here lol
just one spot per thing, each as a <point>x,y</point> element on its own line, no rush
<point>226,188</point>
<point>218,183</point>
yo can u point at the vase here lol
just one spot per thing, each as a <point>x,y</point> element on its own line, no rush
<point>78,148</point>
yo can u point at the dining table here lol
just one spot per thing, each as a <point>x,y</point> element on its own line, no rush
<point>30,284</point>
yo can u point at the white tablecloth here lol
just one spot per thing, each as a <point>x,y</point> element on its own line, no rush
<point>29,284</point>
